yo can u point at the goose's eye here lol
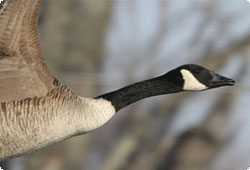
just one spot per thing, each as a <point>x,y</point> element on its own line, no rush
<point>197,71</point>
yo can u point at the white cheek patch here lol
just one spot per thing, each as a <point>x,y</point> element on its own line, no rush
<point>190,82</point>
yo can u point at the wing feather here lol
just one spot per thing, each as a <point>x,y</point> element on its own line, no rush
<point>23,70</point>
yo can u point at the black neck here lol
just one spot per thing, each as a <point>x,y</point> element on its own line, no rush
<point>132,93</point>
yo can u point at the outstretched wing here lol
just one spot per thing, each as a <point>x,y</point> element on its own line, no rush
<point>23,70</point>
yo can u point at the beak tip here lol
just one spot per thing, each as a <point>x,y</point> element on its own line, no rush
<point>223,81</point>
<point>232,82</point>
<point>229,82</point>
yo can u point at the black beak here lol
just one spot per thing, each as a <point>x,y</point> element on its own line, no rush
<point>218,81</point>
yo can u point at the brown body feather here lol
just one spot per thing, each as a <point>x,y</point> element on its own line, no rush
<point>30,97</point>
<point>31,123</point>
<point>23,71</point>
<point>35,108</point>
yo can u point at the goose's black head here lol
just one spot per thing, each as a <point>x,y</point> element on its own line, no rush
<point>193,77</point>
<point>188,77</point>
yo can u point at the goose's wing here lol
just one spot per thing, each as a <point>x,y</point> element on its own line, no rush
<point>23,70</point>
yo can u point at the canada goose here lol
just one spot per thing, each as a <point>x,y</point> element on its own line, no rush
<point>36,110</point>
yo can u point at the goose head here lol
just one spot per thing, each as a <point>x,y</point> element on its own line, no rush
<point>191,77</point>
<point>188,77</point>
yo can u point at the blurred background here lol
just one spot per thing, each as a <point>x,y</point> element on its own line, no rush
<point>96,46</point>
